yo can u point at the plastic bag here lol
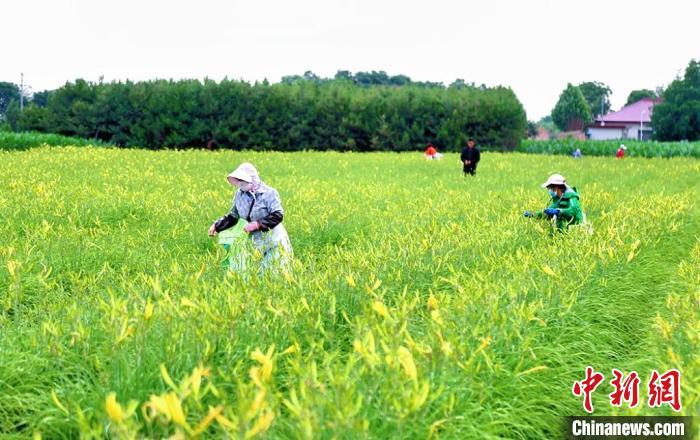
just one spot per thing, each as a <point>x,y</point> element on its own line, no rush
<point>235,242</point>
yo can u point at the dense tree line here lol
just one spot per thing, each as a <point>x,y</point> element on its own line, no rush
<point>366,111</point>
<point>677,117</point>
<point>367,79</point>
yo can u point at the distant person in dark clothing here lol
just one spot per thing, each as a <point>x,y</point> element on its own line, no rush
<point>470,157</point>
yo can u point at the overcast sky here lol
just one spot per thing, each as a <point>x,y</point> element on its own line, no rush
<point>533,46</point>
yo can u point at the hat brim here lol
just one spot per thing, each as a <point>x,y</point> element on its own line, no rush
<point>550,183</point>
<point>239,175</point>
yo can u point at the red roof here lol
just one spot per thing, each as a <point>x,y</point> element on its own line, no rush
<point>636,112</point>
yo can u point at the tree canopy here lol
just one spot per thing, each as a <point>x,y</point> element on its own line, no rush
<point>677,117</point>
<point>597,95</point>
<point>8,93</point>
<point>571,111</point>
<point>636,95</point>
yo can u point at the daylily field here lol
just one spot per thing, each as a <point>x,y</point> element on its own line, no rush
<point>420,303</point>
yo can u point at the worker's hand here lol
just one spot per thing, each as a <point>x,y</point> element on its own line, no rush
<point>551,211</point>
<point>528,214</point>
<point>251,227</point>
<point>212,230</point>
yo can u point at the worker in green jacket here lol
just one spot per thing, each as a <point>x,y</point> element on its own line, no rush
<point>565,206</point>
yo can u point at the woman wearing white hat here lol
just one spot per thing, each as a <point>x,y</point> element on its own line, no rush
<point>621,151</point>
<point>261,207</point>
<point>565,206</point>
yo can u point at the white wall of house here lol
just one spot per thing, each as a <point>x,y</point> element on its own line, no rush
<point>631,132</point>
<point>602,134</point>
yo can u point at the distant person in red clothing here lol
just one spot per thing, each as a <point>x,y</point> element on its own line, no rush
<point>621,151</point>
<point>431,152</point>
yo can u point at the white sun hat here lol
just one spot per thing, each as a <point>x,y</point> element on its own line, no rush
<point>244,172</point>
<point>623,146</point>
<point>554,179</point>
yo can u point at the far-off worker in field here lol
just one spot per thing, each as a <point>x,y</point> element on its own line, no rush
<point>261,207</point>
<point>431,153</point>
<point>621,151</point>
<point>470,157</point>
<point>565,206</point>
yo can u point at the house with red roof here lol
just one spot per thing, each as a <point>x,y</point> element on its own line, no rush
<point>630,122</point>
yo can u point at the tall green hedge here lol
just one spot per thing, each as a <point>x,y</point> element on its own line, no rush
<point>303,114</point>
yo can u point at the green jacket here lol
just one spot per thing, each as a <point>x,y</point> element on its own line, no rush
<point>570,212</point>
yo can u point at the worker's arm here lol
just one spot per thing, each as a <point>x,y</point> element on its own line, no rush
<point>541,214</point>
<point>276,212</point>
<point>273,219</point>
<point>229,220</point>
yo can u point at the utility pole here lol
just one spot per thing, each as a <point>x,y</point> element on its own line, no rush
<point>21,92</point>
<point>602,104</point>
